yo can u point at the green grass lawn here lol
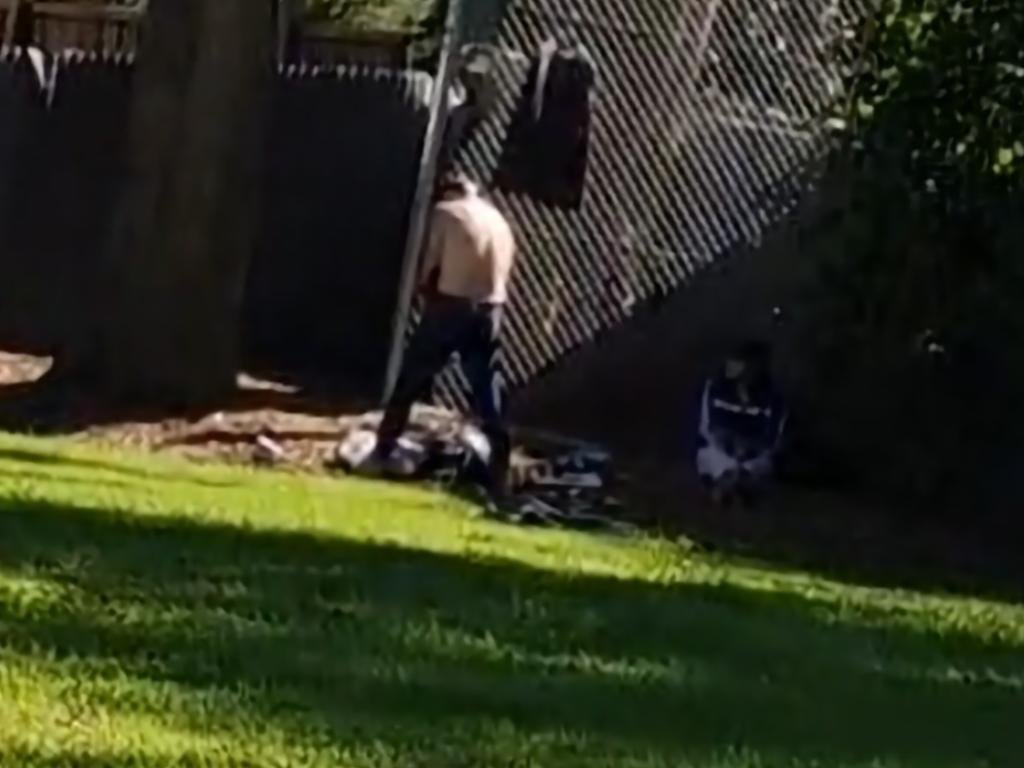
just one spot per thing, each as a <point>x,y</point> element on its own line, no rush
<point>158,614</point>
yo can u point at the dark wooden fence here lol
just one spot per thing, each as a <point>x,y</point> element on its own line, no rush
<point>341,164</point>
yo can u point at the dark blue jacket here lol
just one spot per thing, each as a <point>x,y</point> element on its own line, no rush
<point>752,425</point>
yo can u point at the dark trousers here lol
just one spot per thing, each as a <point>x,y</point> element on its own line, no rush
<point>450,326</point>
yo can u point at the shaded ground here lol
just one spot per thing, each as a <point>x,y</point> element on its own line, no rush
<point>158,614</point>
<point>308,426</point>
<point>815,529</point>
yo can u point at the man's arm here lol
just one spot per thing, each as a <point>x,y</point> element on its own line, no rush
<point>709,431</point>
<point>779,423</point>
<point>776,429</point>
<point>431,268</point>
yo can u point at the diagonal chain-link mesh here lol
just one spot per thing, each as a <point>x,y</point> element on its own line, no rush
<point>708,122</point>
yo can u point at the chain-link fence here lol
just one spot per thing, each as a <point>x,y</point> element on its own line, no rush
<point>709,119</point>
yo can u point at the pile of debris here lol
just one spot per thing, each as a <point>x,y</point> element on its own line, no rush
<point>554,482</point>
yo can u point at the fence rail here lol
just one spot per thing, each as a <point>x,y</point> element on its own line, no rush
<point>114,28</point>
<point>111,27</point>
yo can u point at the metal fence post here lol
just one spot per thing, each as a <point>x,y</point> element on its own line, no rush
<point>418,218</point>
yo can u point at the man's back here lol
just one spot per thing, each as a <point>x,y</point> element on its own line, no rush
<point>472,248</point>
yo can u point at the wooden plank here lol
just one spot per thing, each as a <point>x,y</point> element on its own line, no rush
<point>284,24</point>
<point>100,12</point>
<point>11,25</point>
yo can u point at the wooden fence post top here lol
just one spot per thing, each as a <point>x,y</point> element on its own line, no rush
<point>11,8</point>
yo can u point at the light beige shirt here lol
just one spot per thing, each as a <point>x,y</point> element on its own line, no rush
<point>473,248</point>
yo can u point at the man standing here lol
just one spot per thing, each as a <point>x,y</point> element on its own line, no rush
<point>467,265</point>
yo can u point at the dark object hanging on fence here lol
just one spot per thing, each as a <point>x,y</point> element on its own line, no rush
<point>548,144</point>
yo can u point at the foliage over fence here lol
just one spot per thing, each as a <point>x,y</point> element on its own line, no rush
<point>944,85</point>
<point>920,337</point>
<point>405,15</point>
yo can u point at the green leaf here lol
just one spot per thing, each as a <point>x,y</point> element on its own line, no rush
<point>1006,156</point>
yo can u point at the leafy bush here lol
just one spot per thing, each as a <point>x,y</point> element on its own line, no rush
<point>373,14</point>
<point>918,343</point>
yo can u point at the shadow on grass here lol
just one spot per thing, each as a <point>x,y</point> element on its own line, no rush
<point>833,534</point>
<point>61,463</point>
<point>820,532</point>
<point>435,655</point>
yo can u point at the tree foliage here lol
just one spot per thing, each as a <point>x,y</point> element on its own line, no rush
<point>943,87</point>
<point>373,14</point>
<point>918,345</point>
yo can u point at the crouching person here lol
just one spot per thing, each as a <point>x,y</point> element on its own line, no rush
<point>742,423</point>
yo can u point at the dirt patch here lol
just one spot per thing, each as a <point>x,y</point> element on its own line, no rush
<point>263,422</point>
<point>306,429</point>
